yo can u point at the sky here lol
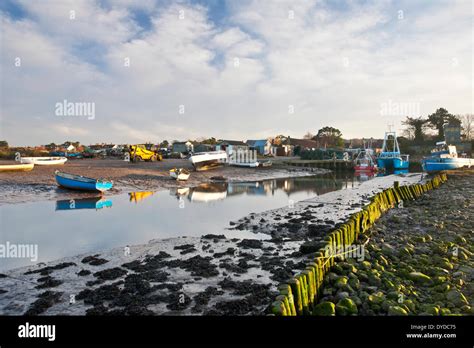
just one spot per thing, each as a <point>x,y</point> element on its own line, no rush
<point>126,71</point>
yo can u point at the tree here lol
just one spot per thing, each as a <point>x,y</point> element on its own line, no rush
<point>467,126</point>
<point>329,137</point>
<point>439,119</point>
<point>3,143</point>
<point>308,135</point>
<point>416,127</point>
<point>210,141</point>
<point>164,144</point>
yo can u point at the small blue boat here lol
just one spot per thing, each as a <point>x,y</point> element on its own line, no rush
<point>390,157</point>
<point>83,203</point>
<point>78,182</point>
<point>445,157</point>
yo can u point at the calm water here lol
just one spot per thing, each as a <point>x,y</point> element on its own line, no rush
<point>86,225</point>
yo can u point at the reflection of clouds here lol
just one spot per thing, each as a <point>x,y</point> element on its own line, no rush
<point>159,216</point>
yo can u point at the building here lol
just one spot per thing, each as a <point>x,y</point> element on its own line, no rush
<point>203,147</point>
<point>231,146</point>
<point>293,147</point>
<point>183,147</point>
<point>263,146</point>
<point>452,133</point>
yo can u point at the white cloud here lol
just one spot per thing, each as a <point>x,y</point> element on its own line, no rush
<point>334,66</point>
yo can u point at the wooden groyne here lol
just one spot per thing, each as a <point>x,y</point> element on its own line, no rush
<point>300,294</point>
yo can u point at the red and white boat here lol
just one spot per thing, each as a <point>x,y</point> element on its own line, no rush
<point>364,163</point>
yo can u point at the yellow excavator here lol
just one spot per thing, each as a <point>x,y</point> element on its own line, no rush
<point>140,153</point>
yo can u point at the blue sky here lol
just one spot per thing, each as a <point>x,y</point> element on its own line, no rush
<point>248,69</point>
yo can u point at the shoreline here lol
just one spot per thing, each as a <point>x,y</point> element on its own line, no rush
<point>40,184</point>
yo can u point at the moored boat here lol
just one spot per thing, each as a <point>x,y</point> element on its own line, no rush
<point>44,161</point>
<point>390,157</point>
<point>82,183</point>
<point>245,164</point>
<point>208,160</point>
<point>364,162</point>
<point>445,157</point>
<point>26,167</point>
<point>180,174</point>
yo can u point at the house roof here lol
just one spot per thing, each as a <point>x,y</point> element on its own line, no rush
<point>304,143</point>
<point>232,142</point>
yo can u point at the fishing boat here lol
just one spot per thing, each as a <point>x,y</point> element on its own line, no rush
<point>364,162</point>
<point>390,157</point>
<point>44,161</point>
<point>445,157</point>
<point>16,167</point>
<point>82,183</point>
<point>180,174</point>
<point>208,160</point>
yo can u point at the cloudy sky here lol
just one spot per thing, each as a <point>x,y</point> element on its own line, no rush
<point>236,69</point>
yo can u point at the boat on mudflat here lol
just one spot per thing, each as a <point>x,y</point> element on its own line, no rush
<point>390,157</point>
<point>44,161</point>
<point>16,167</point>
<point>445,157</point>
<point>208,160</point>
<point>82,183</point>
<point>245,164</point>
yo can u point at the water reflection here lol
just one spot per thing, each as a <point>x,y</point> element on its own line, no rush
<point>95,203</point>
<point>139,196</point>
<point>141,216</point>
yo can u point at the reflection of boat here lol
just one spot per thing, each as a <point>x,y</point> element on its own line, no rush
<point>83,203</point>
<point>180,174</point>
<point>44,161</point>
<point>139,196</point>
<point>364,163</point>
<point>78,182</point>
<point>16,167</point>
<point>390,157</point>
<point>208,160</point>
<point>445,157</point>
<point>265,164</point>
<point>208,192</point>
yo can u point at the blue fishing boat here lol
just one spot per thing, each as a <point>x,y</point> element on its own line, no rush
<point>390,157</point>
<point>78,182</point>
<point>445,157</point>
<point>83,203</point>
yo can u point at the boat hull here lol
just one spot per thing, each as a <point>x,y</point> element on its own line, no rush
<point>208,160</point>
<point>392,163</point>
<point>44,161</point>
<point>77,182</point>
<point>431,165</point>
<point>16,167</point>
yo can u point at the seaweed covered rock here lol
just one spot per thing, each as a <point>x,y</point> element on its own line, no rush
<point>396,311</point>
<point>325,309</point>
<point>346,306</point>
